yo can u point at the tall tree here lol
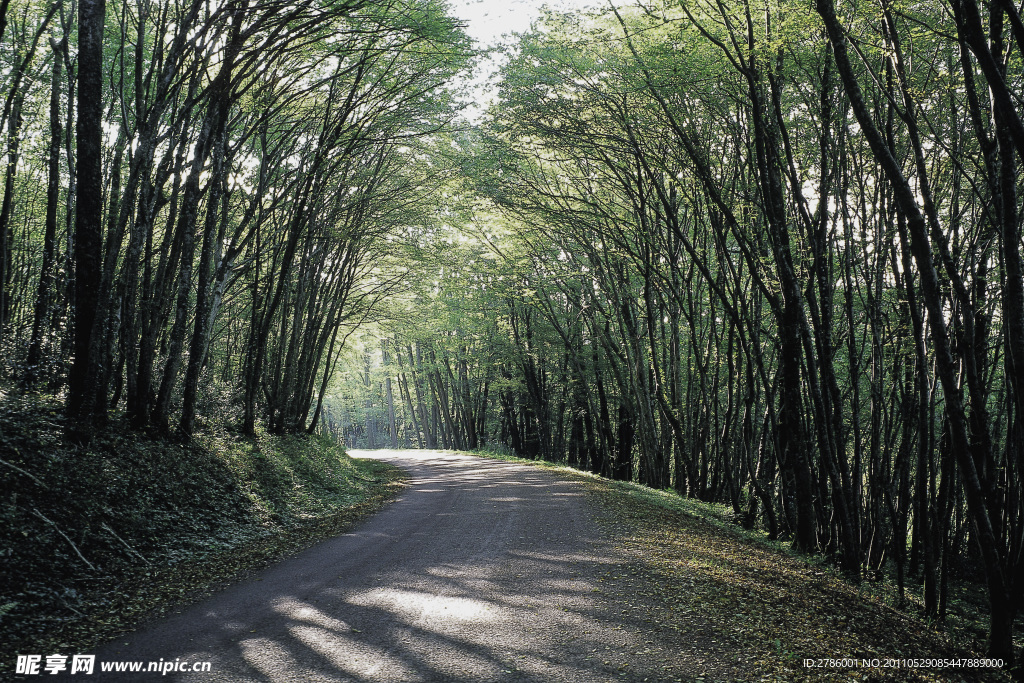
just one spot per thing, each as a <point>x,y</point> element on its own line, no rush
<point>82,401</point>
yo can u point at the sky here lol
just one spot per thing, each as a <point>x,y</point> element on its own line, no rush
<point>487,21</point>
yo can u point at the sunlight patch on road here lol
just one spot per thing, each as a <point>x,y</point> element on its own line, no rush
<point>355,657</point>
<point>337,641</point>
<point>417,606</point>
<point>268,657</point>
<point>300,611</point>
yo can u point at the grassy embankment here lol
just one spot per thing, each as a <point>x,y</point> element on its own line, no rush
<point>771,608</point>
<point>95,540</point>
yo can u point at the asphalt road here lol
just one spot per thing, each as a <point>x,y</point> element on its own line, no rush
<point>480,571</point>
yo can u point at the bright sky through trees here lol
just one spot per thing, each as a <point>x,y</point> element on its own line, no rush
<point>487,21</point>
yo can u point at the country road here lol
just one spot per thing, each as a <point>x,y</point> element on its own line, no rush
<point>480,571</point>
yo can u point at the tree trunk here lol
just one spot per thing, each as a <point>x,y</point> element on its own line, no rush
<point>88,245</point>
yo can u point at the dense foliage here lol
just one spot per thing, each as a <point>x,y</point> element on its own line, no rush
<point>227,209</point>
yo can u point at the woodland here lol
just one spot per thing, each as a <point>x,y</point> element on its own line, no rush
<point>766,254</point>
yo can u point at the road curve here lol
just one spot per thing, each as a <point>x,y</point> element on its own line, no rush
<point>480,571</point>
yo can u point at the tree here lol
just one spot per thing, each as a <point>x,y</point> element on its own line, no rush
<point>82,401</point>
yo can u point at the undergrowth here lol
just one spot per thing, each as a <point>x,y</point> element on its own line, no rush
<point>92,540</point>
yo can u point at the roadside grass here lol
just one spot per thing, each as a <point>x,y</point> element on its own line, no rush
<point>773,608</point>
<point>94,541</point>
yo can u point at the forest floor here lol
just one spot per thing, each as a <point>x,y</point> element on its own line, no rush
<point>772,610</point>
<point>94,541</point>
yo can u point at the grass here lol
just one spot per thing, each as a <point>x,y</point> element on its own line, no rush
<point>94,541</point>
<point>773,607</point>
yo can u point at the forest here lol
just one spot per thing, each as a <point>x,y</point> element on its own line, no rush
<point>767,254</point>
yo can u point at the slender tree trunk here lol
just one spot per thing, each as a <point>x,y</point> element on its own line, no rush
<point>47,279</point>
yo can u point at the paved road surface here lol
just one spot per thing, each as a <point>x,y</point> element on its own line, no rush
<point>480,571</point>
